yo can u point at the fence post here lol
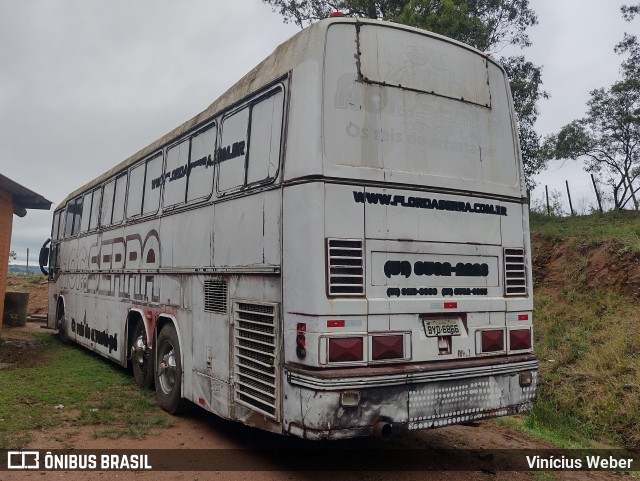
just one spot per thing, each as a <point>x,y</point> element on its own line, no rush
<point>595,187</point>
<point>546,189</point>
<point>569,195</point>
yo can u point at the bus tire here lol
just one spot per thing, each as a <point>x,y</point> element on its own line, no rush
<point>168,371</point>
<point>61,325</point>
<point>142,358</point>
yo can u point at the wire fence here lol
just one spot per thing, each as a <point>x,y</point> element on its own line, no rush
<point>561,202</point>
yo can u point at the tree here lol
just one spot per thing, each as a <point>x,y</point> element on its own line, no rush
<point>485,24</point>
<point>607,139</point>
<point>488,25</point>
<point>305,12</point>
<point>630,45</point>
<point>12,256</point>
<point>526,81</point>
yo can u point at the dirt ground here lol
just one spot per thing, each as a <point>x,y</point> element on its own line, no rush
<point>200,430</point>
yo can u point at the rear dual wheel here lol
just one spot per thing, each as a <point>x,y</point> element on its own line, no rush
<point>168,376</point>
<point>141,358</point>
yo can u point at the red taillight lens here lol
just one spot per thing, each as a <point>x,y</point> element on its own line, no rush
<point>387,347</point>
<point>336,323</point>
<point>345,349</point>
<point>492,341</point>
<point>519,339</point>
<point>301,341</point>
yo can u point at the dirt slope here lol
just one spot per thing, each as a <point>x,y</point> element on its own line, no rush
<point>608,264</point>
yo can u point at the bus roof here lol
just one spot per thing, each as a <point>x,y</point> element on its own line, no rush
<point>306,44</point>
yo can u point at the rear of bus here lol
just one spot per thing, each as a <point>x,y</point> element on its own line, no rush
<point>407,293</point>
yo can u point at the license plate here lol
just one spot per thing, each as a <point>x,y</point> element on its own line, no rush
<point>442,327</point>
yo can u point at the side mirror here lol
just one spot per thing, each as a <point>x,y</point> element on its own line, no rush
<point>44,257</point>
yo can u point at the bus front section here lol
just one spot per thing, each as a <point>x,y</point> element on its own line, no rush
<point>407,293</point>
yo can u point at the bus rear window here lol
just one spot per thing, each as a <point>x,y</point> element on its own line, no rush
<point>416,62</point>
<point>416,104</point>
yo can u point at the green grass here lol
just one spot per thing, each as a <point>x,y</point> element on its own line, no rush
<point>588,338</point>
<point>588,343</point>
<point>93,391</point>
<point>617,227</point>
<point>556,431</point>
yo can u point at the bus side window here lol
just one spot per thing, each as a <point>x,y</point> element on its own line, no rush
<point>95,208</point>
<point>84,226</point>
<point>119,198</point>
<point>200,176</point>
<point>175,185</point>
<point>77,215</point>
<point>264,139</point>
<point>73,216</point>
<point>232,151</point>
<point>136,183</point>
<point>107,203</point>
<point>56,225</point>
<point>152,186</point>
<point>68,220</point>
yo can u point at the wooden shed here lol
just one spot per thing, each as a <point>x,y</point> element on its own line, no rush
<point>14,199</point>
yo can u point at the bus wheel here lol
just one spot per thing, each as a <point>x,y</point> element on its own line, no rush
<point>169,371</point>
<point>61,325</point>
<point>141,358</point>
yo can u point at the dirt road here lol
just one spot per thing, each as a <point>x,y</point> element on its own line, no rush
<point>201,430</point>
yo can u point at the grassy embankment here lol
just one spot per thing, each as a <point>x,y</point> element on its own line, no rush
<point>587,328</point>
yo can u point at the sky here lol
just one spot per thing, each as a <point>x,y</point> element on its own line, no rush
<point>84,84</point>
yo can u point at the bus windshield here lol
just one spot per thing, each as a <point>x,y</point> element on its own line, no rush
<point>402,101</point>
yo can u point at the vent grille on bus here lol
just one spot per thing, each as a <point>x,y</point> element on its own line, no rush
<point>515,274</point>
<point>256,357</point>
<point>215,296</point>
<point>345,267</point>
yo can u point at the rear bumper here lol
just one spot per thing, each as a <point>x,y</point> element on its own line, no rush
<point>418,397</point>
<point>355,378</point>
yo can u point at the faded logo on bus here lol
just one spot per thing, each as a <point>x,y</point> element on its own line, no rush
<point>107,258</point>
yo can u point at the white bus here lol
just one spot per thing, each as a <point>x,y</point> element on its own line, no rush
<point>338,246</point>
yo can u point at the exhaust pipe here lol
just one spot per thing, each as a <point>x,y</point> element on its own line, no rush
<point>382,430</point>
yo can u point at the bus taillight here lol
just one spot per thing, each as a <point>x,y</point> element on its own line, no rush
<point>387,347</point>
<point>345,349</point>
<point>492,340</point>
<point>519,339</point>
<point>301,341</point>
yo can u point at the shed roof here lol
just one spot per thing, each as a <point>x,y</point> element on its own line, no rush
<point>23,198</point>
